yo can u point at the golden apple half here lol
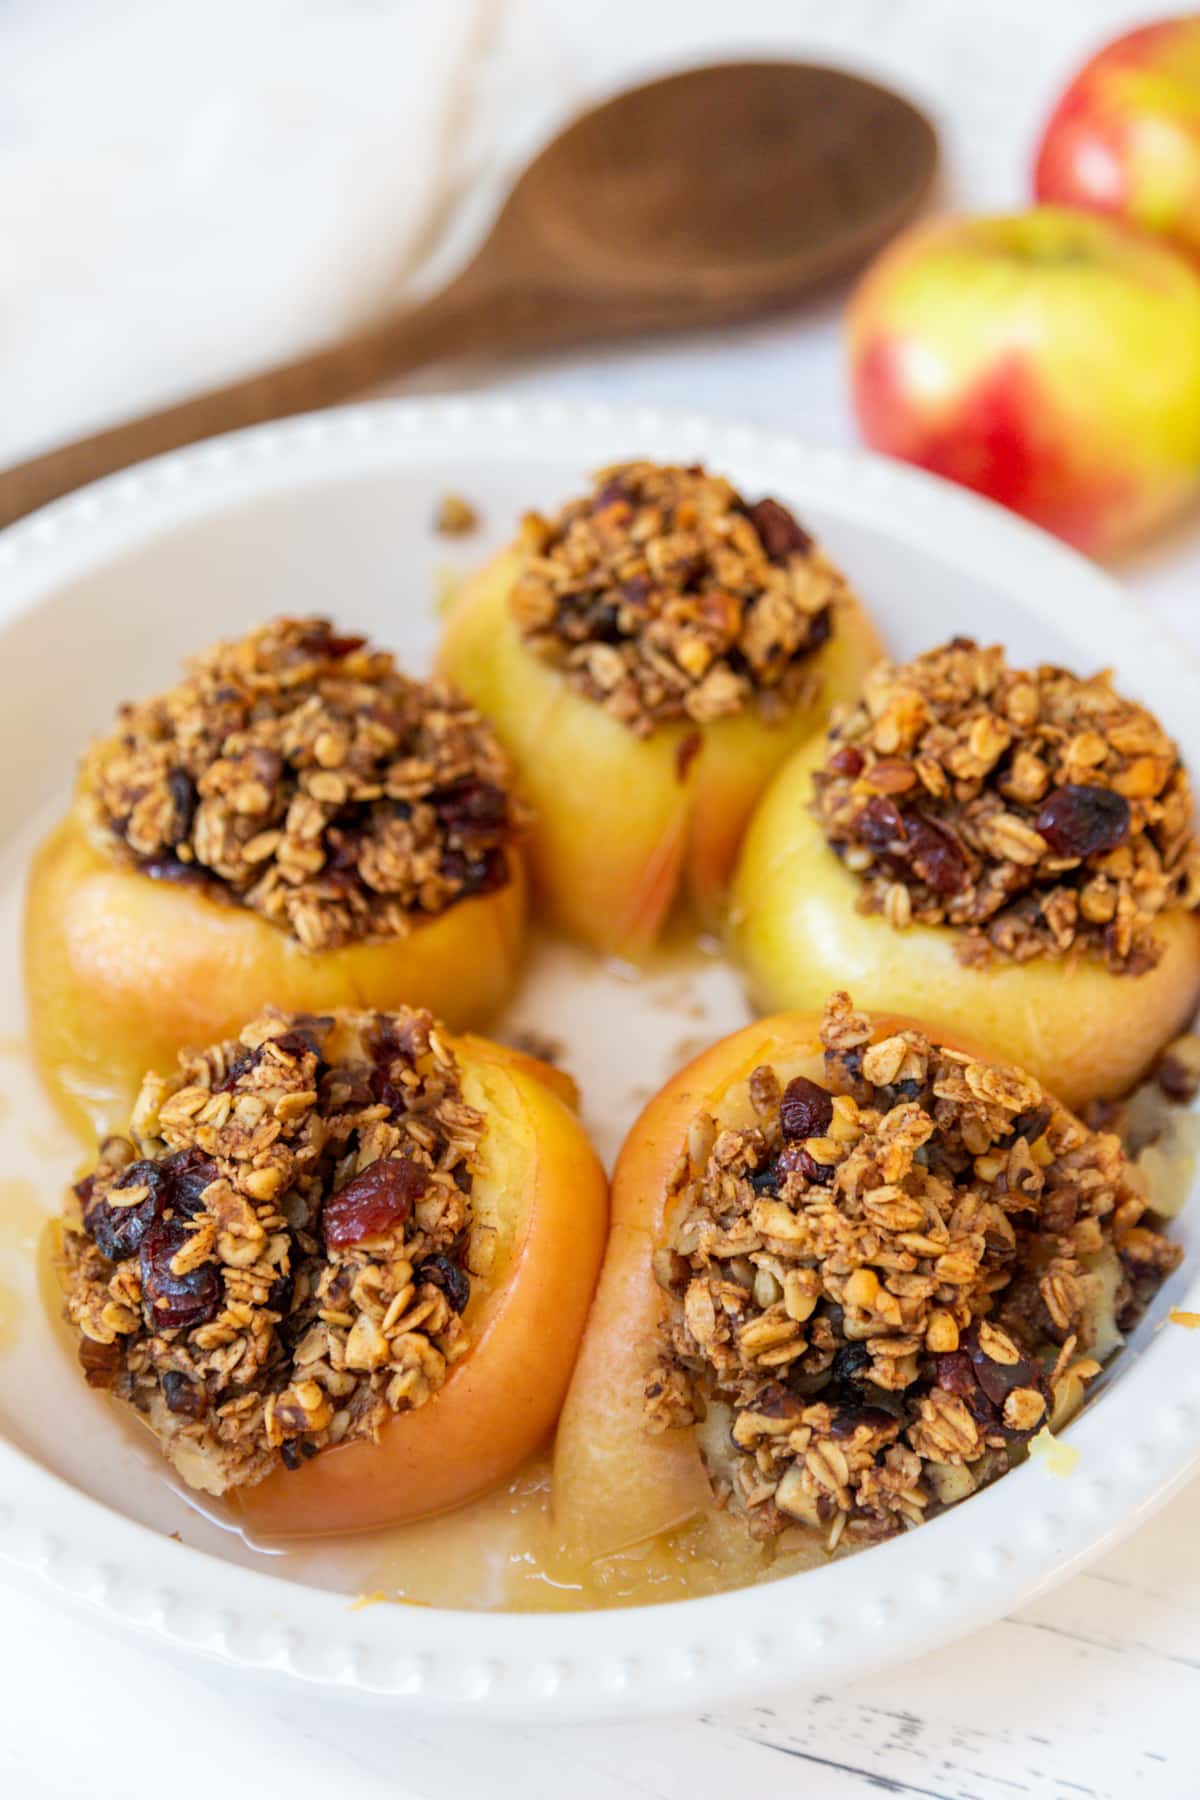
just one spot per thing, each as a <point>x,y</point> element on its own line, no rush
<point>1084,1032</point>
<point>540,1187</point>
<point>123,971</point>
<point>625,825</point>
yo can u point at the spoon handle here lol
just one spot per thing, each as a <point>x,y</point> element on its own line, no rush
<point>461,318</point>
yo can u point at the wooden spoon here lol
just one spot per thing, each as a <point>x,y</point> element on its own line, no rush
<point>697,199</point>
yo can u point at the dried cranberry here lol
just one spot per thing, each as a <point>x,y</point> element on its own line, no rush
<point>935,854</point>
<point>880,826</point>
<point>999,1379</point>
<point>472,808</point>
<point>613,493</point>
<point>850,1362</point>
<point>342,646</point>
<point>766,1179</point>
<point>807,1109</point>
<point>1078,820</point>
<point>847,1419</point>
<point>171,1301</point>
<point>781,534</point>
<point>442,1272</point>
<point>184,1396</point>
<point>187,1173</point>
<point>380,1196</point>
<point>279,1294</point>
<point>637,590</point>
<point>240,1066</point>
<point>116,1230</point>
<point>846,761</point>
<point>954,1372</point>
<point>297,1043</point>
<point>182,790</point>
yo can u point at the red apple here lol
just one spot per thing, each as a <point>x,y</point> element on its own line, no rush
<point>1125,137</point>
<point>1048,359</point>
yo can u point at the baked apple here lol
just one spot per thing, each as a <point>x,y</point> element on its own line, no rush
<point>648,659</point>
<point>340,1265</point>
<point>1005,853</point>
<point>295,823</point>
<point>851,1272</point>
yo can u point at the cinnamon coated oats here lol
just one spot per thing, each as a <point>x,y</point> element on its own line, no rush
<point>278,1256</point>
<point>890,1280</point>
<point>1037,810</point>
<point>663,595</point>
<point>299,773</point>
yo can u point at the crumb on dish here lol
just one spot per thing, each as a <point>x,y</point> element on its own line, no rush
<point>887,1283</point>
<point>277,1257</point>
<point>455,516</point>
<point>663,595</point>
<point>1039,811</point>
<point>299,773</point>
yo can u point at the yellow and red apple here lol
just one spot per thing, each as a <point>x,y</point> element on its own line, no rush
<point>540,1188</point>
<point>1083,1031</point>
<point>1125,137</point>
<point>1048,359</point>
<point>122,971</point>
<point>625,826</point>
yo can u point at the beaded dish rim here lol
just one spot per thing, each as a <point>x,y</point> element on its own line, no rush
<point>1138,1441</point>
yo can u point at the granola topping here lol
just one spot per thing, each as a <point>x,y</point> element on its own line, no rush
<point>278,1256</point>
<point>300,774</point>
<point>663,595</point>
<point>882,1313</point>
<point>1037,810</point>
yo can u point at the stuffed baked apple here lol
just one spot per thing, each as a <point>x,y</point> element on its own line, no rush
<point>340,1266</point>
<point>649,658</point>
<point>851,1272</point>
<point>1007,853</point>
<point>294,823</point>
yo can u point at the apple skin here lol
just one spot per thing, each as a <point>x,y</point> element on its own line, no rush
<point>624,826</point>
<point>539,1181</point>
<point>1084,1032</point>
<point>1048,359</point>
<point>1125,137</point>
<point>122,972</point>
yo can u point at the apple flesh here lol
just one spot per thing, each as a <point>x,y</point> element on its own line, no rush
<point>1125,137</point>
<point>1050,360</point>
<point>541,1188</point>
<point>1084,1032</point>
<point>626,826</point>
<point>122,971</point>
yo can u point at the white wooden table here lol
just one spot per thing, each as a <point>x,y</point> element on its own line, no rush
<point>1092,1692</point>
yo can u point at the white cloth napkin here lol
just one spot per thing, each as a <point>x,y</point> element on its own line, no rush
<point>190,191</point>
<point>187,191</point>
